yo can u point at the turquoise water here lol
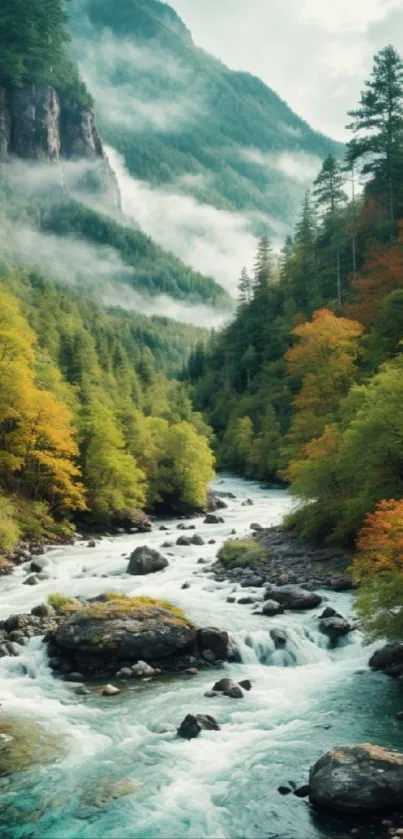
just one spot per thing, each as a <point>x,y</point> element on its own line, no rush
<point>223,785</point>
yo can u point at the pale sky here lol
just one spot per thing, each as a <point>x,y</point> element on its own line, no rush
<point>314,53</point>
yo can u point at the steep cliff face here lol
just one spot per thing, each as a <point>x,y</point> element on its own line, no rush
<point>40,124</point>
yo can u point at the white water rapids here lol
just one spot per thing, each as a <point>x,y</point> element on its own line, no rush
<point>223,785</point>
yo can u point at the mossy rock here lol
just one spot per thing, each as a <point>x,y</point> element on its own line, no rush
<point>25,743</point>
<point>114,627</point>
<point>239,553</point>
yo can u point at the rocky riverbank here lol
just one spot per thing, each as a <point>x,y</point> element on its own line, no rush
<point>289,559</point>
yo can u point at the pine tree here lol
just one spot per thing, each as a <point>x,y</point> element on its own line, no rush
<point>245,288</point>
<point>330,196</point>
<point>304,272</point>
<point>328,186</point>
<point>262,267</point>
<point>377,125</point>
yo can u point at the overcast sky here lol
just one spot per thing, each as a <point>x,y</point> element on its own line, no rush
<point>314,53</point>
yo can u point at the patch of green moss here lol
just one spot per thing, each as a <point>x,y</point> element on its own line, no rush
<point>114,605</point>
<point>241,552</point>
<point>64,605</point>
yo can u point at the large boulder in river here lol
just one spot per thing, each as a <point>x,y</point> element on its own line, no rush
<point>335,627</point>
<point>145,560</point>
<point>389,659</point>
<point>121,628</point>
<point>193,724</point>
<point>357,779</point>
<point>293,597</point>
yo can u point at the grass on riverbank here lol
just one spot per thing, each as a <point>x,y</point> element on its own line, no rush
<point>238,553</point>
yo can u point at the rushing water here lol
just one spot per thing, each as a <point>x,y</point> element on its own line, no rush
<point>304,700</point>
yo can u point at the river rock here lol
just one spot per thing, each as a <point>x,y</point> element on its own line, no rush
<point>216,640</point>
<point>146,561</point>
<point>357,779</point>
<point>32,580</point>
<point>110,690</point>
<point>283,790</point>
<point>247,503</point>
<point>293,597</point>
<point>185,541</point>
<point>389,659</point>
<point>302,792</point>
<point>246,684</point>
<point>211,518</point>
<point>124,673</point>
<point>335,628</point>
<point>328,613</point>
<point>228,687</point>
<point>271,608</point>
<point>139,634</point>
<point>142,669</point>
<point>256,527</point>
<point>193,724</point>
<point>279,637</point>
<point>197,540</point>
<point>43,610</point>
<point>39,564</point>
<point>344,582</point>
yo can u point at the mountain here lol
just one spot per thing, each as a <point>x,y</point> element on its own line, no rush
<point>185,122</point>
<point>60,202</point>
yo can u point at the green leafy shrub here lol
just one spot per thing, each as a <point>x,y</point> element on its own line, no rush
<point>241,552</point>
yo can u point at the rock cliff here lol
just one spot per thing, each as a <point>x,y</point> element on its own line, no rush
<point>39,123</point>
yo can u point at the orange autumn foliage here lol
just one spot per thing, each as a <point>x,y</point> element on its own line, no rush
<point>380,541</point>
<point>382,274</point>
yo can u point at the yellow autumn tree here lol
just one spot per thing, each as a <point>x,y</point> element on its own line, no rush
<point>324,360</point>
<point>37,438</point>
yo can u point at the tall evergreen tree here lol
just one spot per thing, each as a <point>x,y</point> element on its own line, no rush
<point>377,125</point>
<point>330,196</point>
<point>245,288</point>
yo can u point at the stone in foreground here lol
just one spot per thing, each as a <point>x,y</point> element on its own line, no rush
<point>146,561</point>
<point>357,779</point>
<point>193,724</point>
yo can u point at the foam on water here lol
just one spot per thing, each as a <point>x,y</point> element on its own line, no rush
<point>224,784</point>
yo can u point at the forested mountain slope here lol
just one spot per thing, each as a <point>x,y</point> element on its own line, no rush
<point>185,121</point>
<point>55,175</point>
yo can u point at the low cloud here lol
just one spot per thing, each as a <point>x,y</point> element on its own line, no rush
<point>139,87</point>
<point>216,242</point>
<point>298,166</point>
<point>96,270</point>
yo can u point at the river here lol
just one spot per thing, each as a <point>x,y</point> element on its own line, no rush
<point>304,700</point>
